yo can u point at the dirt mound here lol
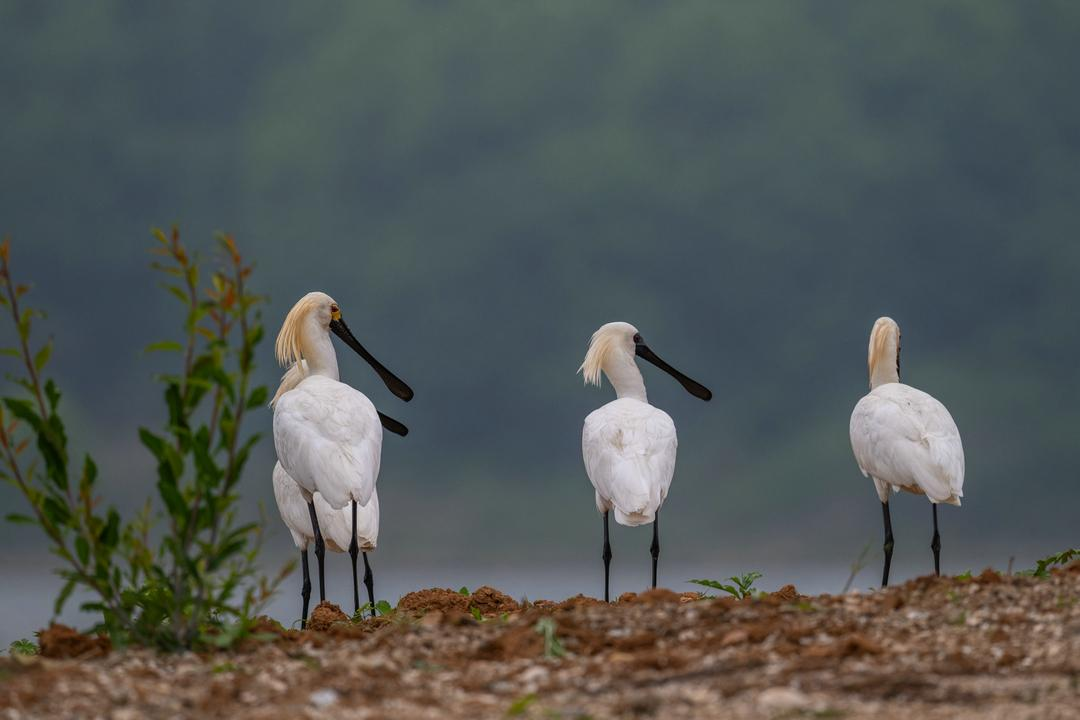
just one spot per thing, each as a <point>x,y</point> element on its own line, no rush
<point>490,601</point>
<point>441,599</point>
<point>61,641</point>
<point>324,615</point>
<point>656,595</point>
<point>788,593</point>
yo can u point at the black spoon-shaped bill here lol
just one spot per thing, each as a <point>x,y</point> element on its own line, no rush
<point>689,384</point>
<point>395,384</point>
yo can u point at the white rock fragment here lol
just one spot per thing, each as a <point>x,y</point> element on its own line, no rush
<point>324,698</point>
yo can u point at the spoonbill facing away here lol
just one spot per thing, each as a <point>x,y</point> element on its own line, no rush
<point>629,445</point>
<point>296,508</point>
<point>328,436</point>
<point>904,439</point>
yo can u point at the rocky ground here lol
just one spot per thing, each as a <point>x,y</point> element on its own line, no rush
<point>984,647</point>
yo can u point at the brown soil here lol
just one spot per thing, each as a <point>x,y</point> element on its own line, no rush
<point>988,647</point>
<point>61,641</point>
<point>325,615</point>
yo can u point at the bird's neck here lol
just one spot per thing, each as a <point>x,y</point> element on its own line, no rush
<point>319,352</point>
<point>625,377</point>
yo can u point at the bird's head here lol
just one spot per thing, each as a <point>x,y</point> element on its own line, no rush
<point>883,357</point>
<point>317,313</point>
<point>619,342</point>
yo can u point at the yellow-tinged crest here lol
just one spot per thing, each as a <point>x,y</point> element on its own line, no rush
<point>608,340</point>
<point>289,347</point>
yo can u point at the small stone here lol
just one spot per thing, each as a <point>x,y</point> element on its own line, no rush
<point>324,698</point>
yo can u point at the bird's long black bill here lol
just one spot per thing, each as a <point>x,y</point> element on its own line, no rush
<point>392,425</point>
<point>690,385</point>
<point>392,381</point>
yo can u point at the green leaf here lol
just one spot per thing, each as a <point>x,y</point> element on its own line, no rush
<point>62,598</point>
<point>258,397</point>
<point>82,548</point>
<point>42,356</point>
<point>383,607</point>
<point>17,519</point>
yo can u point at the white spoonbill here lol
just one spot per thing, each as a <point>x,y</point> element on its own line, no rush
<point>904,439</point>
<point>629,445</point>
<point>296,508</point>
<point>328,436</point>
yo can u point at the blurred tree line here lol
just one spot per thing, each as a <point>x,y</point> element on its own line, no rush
<point>481,184</point>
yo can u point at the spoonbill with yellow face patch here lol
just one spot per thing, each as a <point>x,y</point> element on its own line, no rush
<point>297,507</point>
<point>904,439</point>
<point>629,445</point>
<point>328,435</point>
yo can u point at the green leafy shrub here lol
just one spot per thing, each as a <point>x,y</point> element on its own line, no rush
<point>742,585</point>
<point>199,585</point>
<point>1042,567</point>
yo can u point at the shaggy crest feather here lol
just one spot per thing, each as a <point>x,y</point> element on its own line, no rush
<point>289,346</point>
<point>601,346</point>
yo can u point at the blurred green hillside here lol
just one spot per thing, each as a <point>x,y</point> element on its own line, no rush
<point>482,184</point>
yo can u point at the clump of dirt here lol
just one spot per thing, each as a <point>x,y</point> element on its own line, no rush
<point>656,595</point>
<point>788,593</point>
<point>61,641</point>
<point>442,599</point>
<point>325,615</point>
<point>989,576</point>
<point>490,601</point>
<point>577,601</point>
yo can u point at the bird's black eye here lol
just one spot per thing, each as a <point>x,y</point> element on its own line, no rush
<point>637,338</point>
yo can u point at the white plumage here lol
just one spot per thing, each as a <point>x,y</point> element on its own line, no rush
<point>629,451</point>
<point>628,445</point>
<point>334,524</point>
<point>905,439</point>
<point>329,440</point>
<point>902,437</point>
<point>327,435</point>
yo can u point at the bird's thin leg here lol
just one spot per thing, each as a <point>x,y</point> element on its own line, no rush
<point>320,550</point>
<point>305,589</point>
<point>888,543</point>
<point>607,559</point>
<point>935,544</point>
<point>369,583</point>
<point>354,550</point>
<point>655,547</point>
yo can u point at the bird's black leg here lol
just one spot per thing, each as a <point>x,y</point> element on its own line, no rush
<point>305,589</point>
<point>354,550</point>
<point>369,583</point>
<point>320,550</point>
<point>888,543</point>
<point>607,559</point>
<point>935,544</point>
<point>655,547</point>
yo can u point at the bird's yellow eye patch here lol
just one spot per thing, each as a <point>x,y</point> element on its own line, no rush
<point>335,312</point>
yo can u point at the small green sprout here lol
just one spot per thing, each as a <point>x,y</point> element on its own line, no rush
<point>742,587</point>
<point>521,705</point>
<point>552,647</point>
<point>23,647</point>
